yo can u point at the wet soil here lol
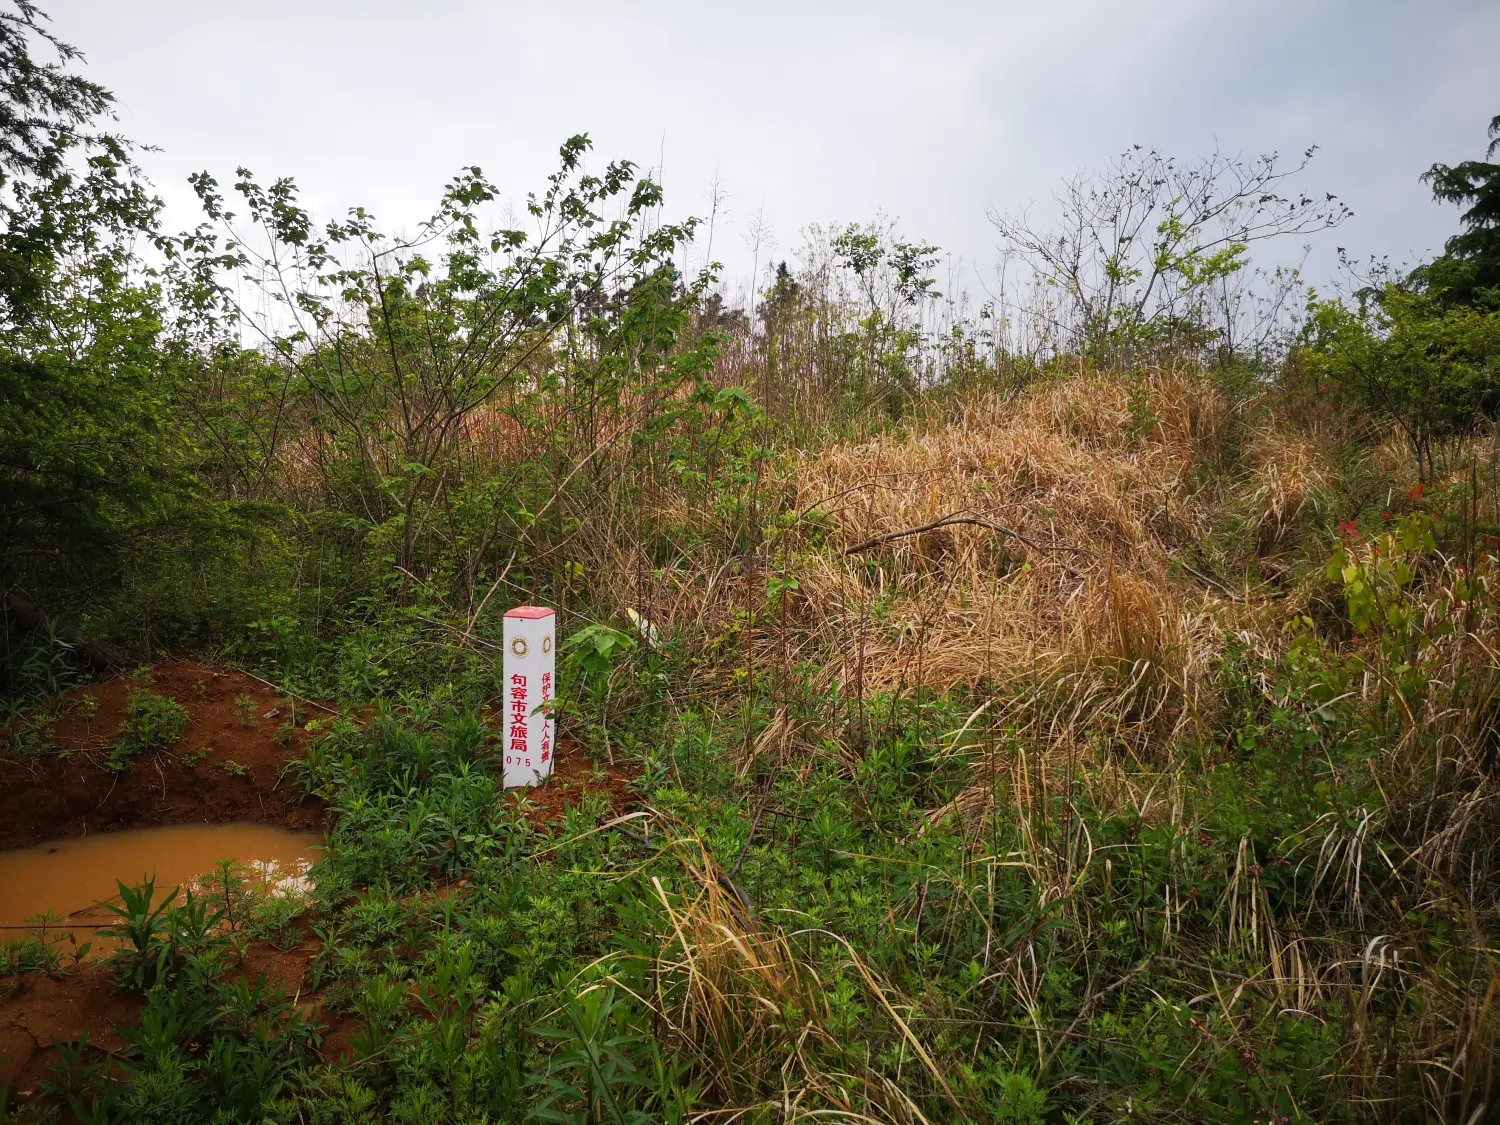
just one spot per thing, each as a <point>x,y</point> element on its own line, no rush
<point>231,765</point>
<point>35,1010</point>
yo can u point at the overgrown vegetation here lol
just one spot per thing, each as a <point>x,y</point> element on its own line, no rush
<point>1090,717</point>
<point>152,723</point>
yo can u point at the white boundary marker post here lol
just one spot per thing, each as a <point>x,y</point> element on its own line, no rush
<point>530,670</point>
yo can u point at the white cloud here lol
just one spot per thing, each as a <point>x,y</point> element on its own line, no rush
<point>818,111</point>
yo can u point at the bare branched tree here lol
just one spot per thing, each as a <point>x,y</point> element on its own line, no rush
<point>1149,249</point>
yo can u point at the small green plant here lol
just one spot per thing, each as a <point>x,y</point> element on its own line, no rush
<point>193,757</point>
<point>593,650</point>
<point>245,707</point>
<point>38,951</point>
<point>23,731</point>
<point>88,706</point>
<point>145,956</point>
<point>152,722</point>
<point>75,1079</point>
<point>228,890</point>
<point>589,657</point>
<point>594,1074</point>
<point>274,916</point>
<point>234,768</point>
<point>190,927</point>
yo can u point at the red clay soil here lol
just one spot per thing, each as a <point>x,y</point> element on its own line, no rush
<point>66,790</point>
<point>574,776</point>
<point>36,1009</point>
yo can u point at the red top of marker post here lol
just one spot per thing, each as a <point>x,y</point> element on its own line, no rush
<point>530,612</point>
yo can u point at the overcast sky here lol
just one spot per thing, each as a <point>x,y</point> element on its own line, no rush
<point>814,112</point>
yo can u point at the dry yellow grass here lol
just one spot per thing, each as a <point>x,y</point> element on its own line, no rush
<point>1060,586</point>
<point>1289,473</point>
<point>733,994</point>
<point>1094,478</point>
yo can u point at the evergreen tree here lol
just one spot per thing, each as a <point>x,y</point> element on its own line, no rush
<point>1469,272</point>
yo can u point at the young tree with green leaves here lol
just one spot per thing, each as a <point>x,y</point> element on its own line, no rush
<point>378,354</point>
<point>91,456</point>
<point>1431,368</point>
<point>1151,250</point>
<point>1424,350</point>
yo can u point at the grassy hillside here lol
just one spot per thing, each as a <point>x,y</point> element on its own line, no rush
<point>1153,781</point>
<point>1082,707</point>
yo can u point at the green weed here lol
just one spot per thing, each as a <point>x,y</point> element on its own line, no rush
<point>246,708</point>
<point>152,723</point>
<point>191,759</point>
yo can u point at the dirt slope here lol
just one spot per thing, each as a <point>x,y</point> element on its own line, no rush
<point>242,724</point>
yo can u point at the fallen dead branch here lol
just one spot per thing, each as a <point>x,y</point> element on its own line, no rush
<point>959,518</point>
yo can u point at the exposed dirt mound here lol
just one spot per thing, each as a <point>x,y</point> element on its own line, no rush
<point>574,777</point>
<point>230,765</point>
<point>36,1009</point>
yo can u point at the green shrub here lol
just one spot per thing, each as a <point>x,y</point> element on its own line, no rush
<point>246,707</point>
<point>31,954</point>
<point>152,723</point>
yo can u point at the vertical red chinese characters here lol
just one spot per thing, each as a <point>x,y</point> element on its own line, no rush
<point>530,672</point>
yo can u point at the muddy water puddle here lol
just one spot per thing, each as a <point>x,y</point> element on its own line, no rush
<point>71,880</point>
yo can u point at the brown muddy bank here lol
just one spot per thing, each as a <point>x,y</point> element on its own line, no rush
<point>234,770</point>
<point>232,765</point>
